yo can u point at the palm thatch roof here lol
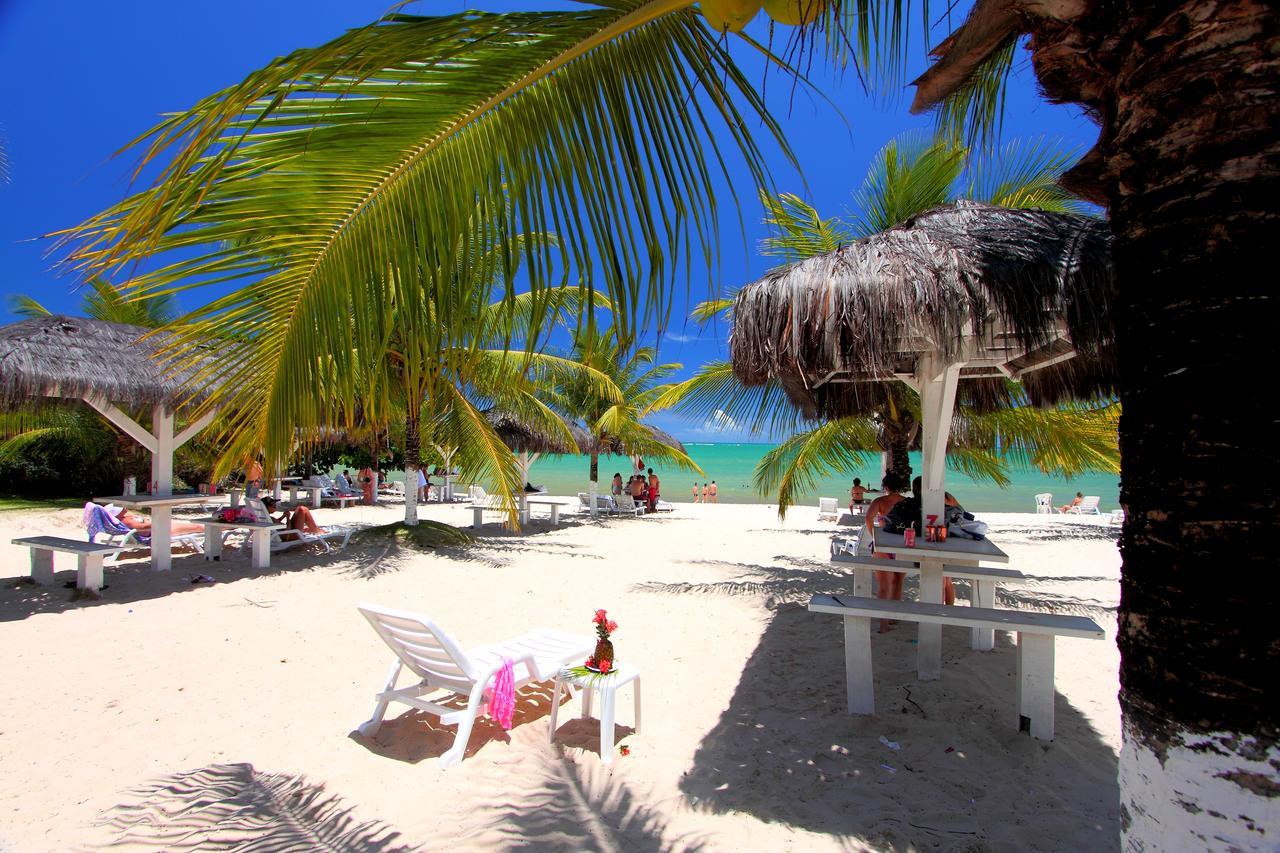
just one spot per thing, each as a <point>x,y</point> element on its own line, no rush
<point>614,446</point>
<point>1021,294</point>
<point>62,356</point>
<point>523,436</point>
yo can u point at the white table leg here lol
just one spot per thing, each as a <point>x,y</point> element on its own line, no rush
<point>276,491</point>
<point>236,495</point>
<point>261,556</point>
<point>860,683</point>
<point>89,572</point>
<point>212,542</point>
<point>315,498</point>
<point>984,595</point>
<point>555,515</point>
<point>477,517</point>
<point>1035,684</point>
<point>555,711</point>
<point>607,696</point>
<point>586,701</point>
<point>929,654</point>
<point>635,686</point>
<point>42,566</point>
<point>862,583</point>
<point>161,543</point>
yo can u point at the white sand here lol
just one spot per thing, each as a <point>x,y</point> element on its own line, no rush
<point>174,715</point>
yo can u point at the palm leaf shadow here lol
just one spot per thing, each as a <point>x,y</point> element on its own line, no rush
<point>236,807</point>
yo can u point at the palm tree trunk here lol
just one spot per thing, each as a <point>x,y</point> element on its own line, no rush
<point>595,481</point>
<point>412,461</point>
<point>899,435</point>
<point>1188,162</point>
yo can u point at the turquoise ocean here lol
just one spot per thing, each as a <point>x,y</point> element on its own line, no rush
<point>731,466</point>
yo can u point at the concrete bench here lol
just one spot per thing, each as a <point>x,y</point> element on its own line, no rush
<point>480,507</point>
<point>1036,633</point>
<point>554,505</point>
<point>89,558</point>
<point>983,578</point>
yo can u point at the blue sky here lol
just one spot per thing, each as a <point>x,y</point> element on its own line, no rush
<point>81,79</point>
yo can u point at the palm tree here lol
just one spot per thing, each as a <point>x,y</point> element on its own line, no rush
<point>615,422</point>
<point>573,109</point>
<point>911,174</point>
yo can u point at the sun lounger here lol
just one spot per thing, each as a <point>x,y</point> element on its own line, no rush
<point>99,522</point>
<point>282,540</point>
<point>627,506</point>
<point>1087,506</point>
<point>443,666</point>
<point>827,509</point>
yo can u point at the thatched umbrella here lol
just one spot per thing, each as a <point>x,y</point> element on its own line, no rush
<point>529,441</point>
<point>106,364</point>
<point>614,446</point>
<point>965,291</point>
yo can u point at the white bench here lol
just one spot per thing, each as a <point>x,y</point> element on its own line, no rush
<point>983,578</point>
<point>547,502</point>
<point>489,503</point>
<point>89,557</point>
<point>1036,632</point>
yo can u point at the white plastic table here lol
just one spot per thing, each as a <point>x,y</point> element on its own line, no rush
<point>931,556</point>
<point>607,686</point>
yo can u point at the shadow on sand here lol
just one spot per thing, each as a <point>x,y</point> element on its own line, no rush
<point>235,807</point>
<point>962,778</point>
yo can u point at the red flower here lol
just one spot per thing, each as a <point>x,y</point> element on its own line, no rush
<point>613,626</point>
<point>600,616</point>
<point>624,749</point>
<point>591,662</point>
<point>605,666</point>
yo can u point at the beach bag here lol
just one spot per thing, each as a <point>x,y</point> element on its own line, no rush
<point>905,513</point>
<point>967,527</point>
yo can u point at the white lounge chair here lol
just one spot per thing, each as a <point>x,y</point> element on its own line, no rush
<point>122,536</point>
<point>1088,506</point>
<point>827,509</point>
<point>443,666</point>
<point>1117,517</point>
<point>283,540</point>
<point>627,505</point>
<point>1044,503</point>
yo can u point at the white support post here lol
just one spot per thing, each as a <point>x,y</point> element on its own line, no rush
<point>127,424</point>
<point>937,383</point>
<point>860,684</point>
<point>929,635</point>
<point>1035,684</point>
<point>89,572</point>
<point>161,541</point>
<point>984,595</point>
<point>162,456</point>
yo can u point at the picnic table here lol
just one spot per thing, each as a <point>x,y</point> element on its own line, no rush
<point>549,502</point>
<point>931,556</point>
<point>161,507</point>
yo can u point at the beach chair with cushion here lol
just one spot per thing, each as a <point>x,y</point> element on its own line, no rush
<point>1044,503</point>
<point>282,540</point>
<point>627,506</point>
<point>827,509</point>
<point>443,667</point>
<point>99,522</point>
<point>1088,506</point>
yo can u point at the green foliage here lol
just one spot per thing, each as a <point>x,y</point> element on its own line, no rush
<point>113,303</point>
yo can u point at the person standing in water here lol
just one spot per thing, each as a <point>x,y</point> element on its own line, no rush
<point>713,491</point>
<point>697,494</point>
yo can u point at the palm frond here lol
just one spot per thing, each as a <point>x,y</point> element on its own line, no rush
<point>913,173</point>
<point>22,305</point>
<point>797,464</point>
<point>713,393</point>
<point>799,232</point>
<point>974,112</point>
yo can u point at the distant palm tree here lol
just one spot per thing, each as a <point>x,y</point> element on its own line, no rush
<point>615,422</point>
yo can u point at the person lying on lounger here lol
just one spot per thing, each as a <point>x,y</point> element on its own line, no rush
<point>1076,501</point>
<point>142,524</point>
<point>299,519</point>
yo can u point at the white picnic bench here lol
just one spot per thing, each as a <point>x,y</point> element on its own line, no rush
<point>259,538</point>
<point>554,505</point>
<point>491,503</point>
<point>1036,633</point>
<point>982,578</point>
<point>89,558</point>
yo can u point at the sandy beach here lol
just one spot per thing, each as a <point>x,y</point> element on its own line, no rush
<point>174,715</point>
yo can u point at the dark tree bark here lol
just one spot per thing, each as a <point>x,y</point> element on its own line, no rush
<point>899,437</point>
<point>412,462</point>
<point>1188,163</point>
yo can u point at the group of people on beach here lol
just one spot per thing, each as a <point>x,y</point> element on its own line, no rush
<point>644,490</point>
<point>708,494</point>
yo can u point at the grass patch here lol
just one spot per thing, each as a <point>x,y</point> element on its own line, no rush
<point>424,535</point>
<point>15,503</point>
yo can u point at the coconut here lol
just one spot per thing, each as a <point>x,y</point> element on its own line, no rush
<point>794,13</point>
<point>731,15</point>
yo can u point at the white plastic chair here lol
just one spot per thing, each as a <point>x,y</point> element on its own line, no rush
<point>827,509</point>
<point>1044,503</point>
<point>1117,517</point>
<point>282,540</point>
<point>443,666</point>
<point>627,504</point>
<point>1087,506</point>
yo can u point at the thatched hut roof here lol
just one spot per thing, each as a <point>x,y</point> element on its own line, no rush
<point>61,356</point>
<point>524,437</point>
<point>614,446</point>
<point>1022,294</point>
